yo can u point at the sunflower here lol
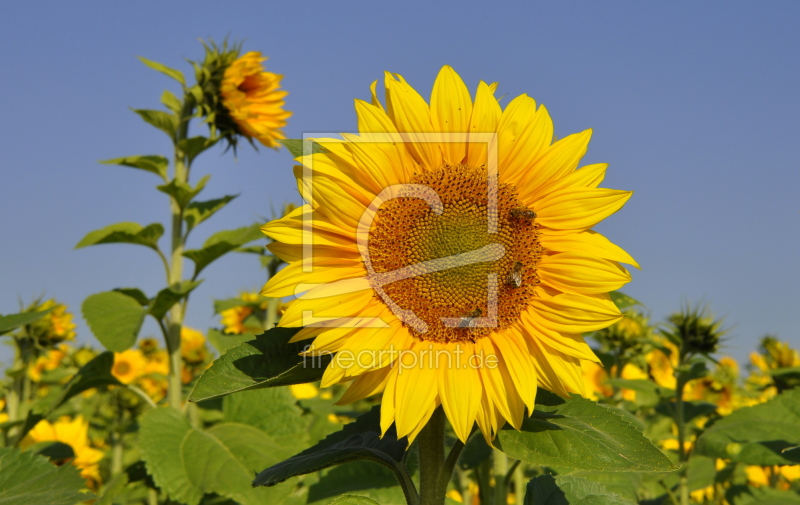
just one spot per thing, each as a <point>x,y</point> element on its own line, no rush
<point>75,433</point>
<point>254,99</point>
<point>452,259</point>
<point>128,365</point>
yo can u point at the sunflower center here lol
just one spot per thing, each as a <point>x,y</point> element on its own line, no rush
<point>474,257</point>
<point>122,368</point>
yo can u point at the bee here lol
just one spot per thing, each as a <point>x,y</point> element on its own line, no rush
<point>523,213</point>
<point>514,279</point>
<point>469,320</point>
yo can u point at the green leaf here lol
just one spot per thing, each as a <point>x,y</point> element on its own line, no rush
<point>350,499</point>
<point>224,341</point>
<point>221,243</point>
<point>12,321</point>
<point>168,297</point>
<point>359,440</point>
<point>171,101</point>
<point>170,72</point>
<point>475,452</point>
<point>113,488</point>
<point>152,163</point>
<point>579,434</point>
<point>273,411</point>
<point>623,301</point>
<point>625,484</point>
<point>691,410</point>
<point>96,373</point>
<point>268,361</point>
<point>300,147</point>
<point>193,146</point>
<point>54,451</point>
<point>114,318</point>
<point>164,121</point>
<point>757,435</point>
<point>568,490</point>
<point>124,233</point>
<point>748,495</point>
<point>187,463</point>
<point>182,192</point>
<point>197,212</point>
<point>135,293</point>
<point>357,476</point>
<point>28,479</point>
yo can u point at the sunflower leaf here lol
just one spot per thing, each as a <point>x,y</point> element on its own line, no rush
<point>359,440</point>
<point>95,373</point>
<point>164,121</point>
<point>168,297</point>
<point>182,192</point>
<point>193,146</point>
<point>160,67</point>
<point>351,499</point>
<point>153,163</point>
<point>187,463</point>
<point>568,490</point>
<point>300,147</point>
<point>579,434</point>
<point>124,233</point>
<point>757,435</point>
<point>12,321</point>
<point>27,478</point>
<point>268,361</point>
<point>114,318</point>
<point>221,243</point>
<point>197,212</point>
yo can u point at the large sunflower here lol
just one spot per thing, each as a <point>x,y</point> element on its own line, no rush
<point>452,261</point>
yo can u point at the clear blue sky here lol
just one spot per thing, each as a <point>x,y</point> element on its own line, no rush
<point>696,107</point>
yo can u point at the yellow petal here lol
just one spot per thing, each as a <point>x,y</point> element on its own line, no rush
<point>388,401</point>
<point>485,116</point>
<point>577,273</point>
<point>414,391</point>
<point>332,375</point>
<point>301,312</point>
<point>573,313</point>
<point>548,377</point>
<point>499,385</point>
<point>518,362</point>
<point>589,176</point>
<point>294,252</point>
<point>412,117</point>
<point>524,133</point>
<point>587,242</point>
<point>578,208</point>
<point>571,344</point>
<point>451,109</point>
<point>378,131</point>
<point>329,198</point>
<point>557,161</point>
<point>459,389</point>
<point>366,385</point>
<point>286,281</point>
<point>375,101</point>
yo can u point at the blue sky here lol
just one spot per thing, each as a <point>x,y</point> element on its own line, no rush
<point>695,106</point>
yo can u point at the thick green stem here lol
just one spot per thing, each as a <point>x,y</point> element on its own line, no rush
<point>519,485</point>
<point>176,313</point>
<point>499,470</point>
<point>431,460</point>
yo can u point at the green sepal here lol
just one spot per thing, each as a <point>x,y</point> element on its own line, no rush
<point>124,233</point>
<point>150,163</point>
<point>170,72</point>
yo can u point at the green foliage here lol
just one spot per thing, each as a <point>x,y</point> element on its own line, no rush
<point>623,301</point>
<point>568,490</point>
<point>350,499</point>
<point>96,373</point>
<point>13,321</point>
<point>124,233</point>
<point>359,440</point>
<point>29,479</point>
<point>171,101</point>
<point>114,318</point>
<point>197,212</point>
<point>300,147</point>
<point>54,451</point>
<point>579,434</point>
<point>170,72</point>
<point>188,463</point>
<point>193,146</point>
<point>168,297</point>
<point>363,477</point>
<point>164,121</point>
<point>745,495</point>
<point>224,341</point>
<point>152,163</point>
<point>221,243</point>
<point>268,361</point>
<point>757,435</point>
<point>182,192</point>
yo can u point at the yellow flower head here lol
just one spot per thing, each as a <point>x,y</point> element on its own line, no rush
<point>453,256</point>
<point>128,365</point>
<point>157,363</point>
<point>193,346</point>
<point>242,319</point>
<point>75,433</point>
<point>254,99</point>
<point>304,391</point>
<point>54,327</point>
<point>596,379</point>
<point>46,363</point>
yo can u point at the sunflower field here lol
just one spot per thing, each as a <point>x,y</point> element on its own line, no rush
<point>440,324</point>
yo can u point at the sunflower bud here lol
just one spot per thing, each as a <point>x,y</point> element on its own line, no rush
<point>236,96</point>
<point>695,330</point>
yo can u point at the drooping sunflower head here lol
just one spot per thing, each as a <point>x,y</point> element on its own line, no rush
<point>239,97</point>
<point>445,255</point>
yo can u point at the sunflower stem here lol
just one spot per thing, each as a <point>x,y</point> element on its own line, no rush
<point>683,481</point>
<point>431,461</point>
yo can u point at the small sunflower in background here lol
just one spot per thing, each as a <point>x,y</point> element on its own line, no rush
<point>439,279</point>
<point>75,433</point>
<point>238,97</point>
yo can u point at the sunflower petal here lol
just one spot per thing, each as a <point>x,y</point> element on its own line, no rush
<point>573,313</point>
<point>587,242</point>
<point>451,109</point>
<point>460,391</point>
<point>578,273</point>
<point>412,117</point>
<point>485,115</point>
<point>578,208</point>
